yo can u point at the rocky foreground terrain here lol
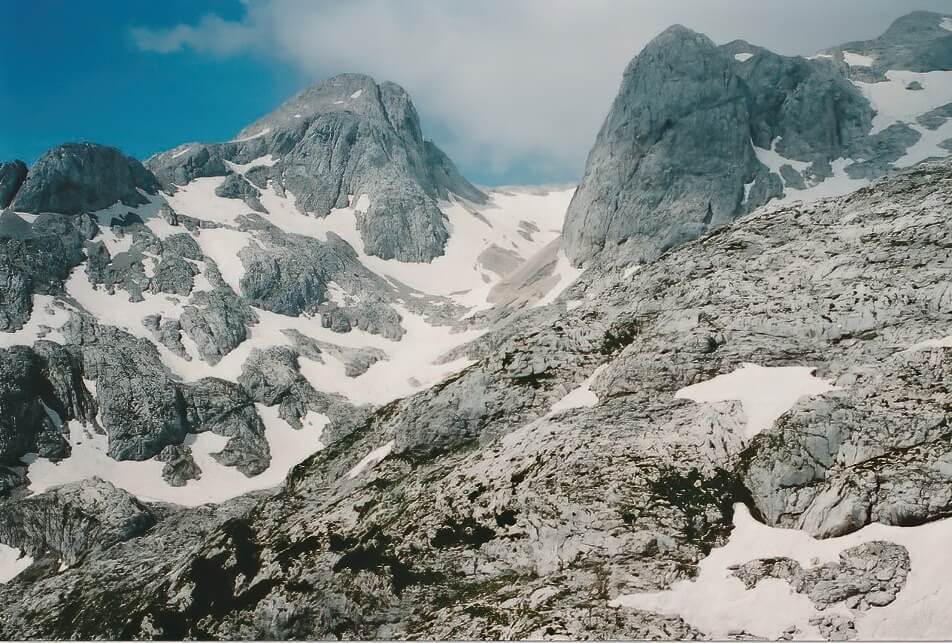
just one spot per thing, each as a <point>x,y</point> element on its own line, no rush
<point>311,383</point>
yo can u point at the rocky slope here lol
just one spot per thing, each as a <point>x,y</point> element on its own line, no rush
<point>563,473</point>
<point>311,383</point>
<point>219,333</point>
<point>700,135</point>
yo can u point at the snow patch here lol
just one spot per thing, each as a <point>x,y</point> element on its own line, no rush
<point>743,57</point>
<point>181,152</point>
<point>581,396</point>
<point>47,318</point>
<point>371,460</point>
<point>252,136</point>
<point>12,562</point>
<point>895,104</point>
<point>946,24</point>
<point>412,364</point>
<point>857,60</point>
<point>198,199</point>
<point>357,93</point>
<point>144,479</point>
<point>223,247</point>
<point>837,185</point>
<point>718,604</point>
<point>566,274</point>
<point>362,205</point>
<point>267,160</point>
<point>765,392</point>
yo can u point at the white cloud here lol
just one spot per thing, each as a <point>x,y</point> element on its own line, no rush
<point>508,83</point>
<point>210,35</point>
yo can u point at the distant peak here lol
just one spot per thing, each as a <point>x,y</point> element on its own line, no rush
<point>676,38</point>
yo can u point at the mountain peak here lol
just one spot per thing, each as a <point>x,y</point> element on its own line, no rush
<point>916,25</point>
<point>83,177</point>
<point>677,39</point>
<point>333,142</point>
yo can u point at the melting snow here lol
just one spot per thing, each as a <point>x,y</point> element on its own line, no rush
<point>411,364</point>
<point>894,103</point>
<point>198,199</point>
<point>362,205</point>
<point>144,479</point>
<point>44,323</point>
<point>765,392</point>
<point>566,275</point>
<point>357,93</point>
<point>581,396</point>
<point>252,136</point>
<point>857,60</point>
<point>456,274</point>
<point>946,24</point>
<point>743,57</point>
<point>12,562</point>
<point>838,184</point>
<point>223,246</point>
<point>267,160</point>
<point>371,460</point>
<point>719,604</point>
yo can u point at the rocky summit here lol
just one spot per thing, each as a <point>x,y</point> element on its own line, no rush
<point>344,140</point>
<point>700,135</point>
<point>311,383</point>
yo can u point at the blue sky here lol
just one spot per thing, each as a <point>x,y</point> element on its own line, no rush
<point>72,71</point>
<point>513,90</point>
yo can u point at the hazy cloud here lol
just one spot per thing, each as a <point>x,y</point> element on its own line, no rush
<point>210,35</point>
<point>506,83</point>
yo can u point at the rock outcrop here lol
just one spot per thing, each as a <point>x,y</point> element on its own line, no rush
<point>675,156</point>
<point>73,521</point>
<point>40,389</point>
<point>12,175</point>
<point>83,177</point>
<point>36,258</point>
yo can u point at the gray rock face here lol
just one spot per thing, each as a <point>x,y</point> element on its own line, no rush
<point>675,157</point>
<point>144,410</point>
<point>291,274</point>
<point>34,259</point>
<point>223,408</point>
<point>272,377</point>
<point>140,407</point>
<point>807,107</point>
<point>40,389</point>
<point>868,575</point>
<point>73,521</point>
<point>179,466</point>
<point>338,140</point>
<point>217,320</point>
<point>237,187</point>
<point>12,174</point>
<point>185,163</point>
<point>83,177</point>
